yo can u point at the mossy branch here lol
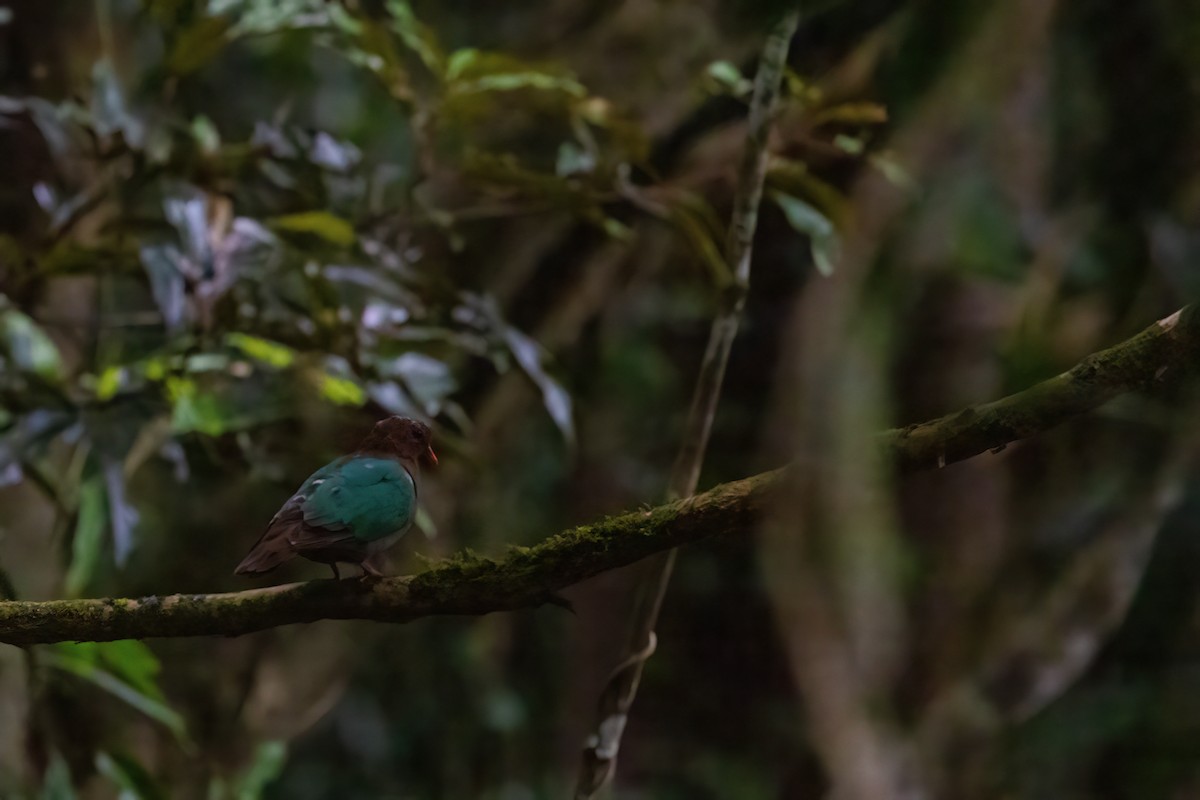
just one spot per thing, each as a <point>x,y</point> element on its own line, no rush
<point>465,585</point>
<point>1158,355</point>
<point>529,577</point>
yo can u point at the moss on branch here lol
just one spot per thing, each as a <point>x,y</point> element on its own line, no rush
<point>1162,352</point>
<point>530,576</point>
<point>466,584</point>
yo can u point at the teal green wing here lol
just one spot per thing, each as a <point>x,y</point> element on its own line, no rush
<point>367,498</point>
<point>321,475</point>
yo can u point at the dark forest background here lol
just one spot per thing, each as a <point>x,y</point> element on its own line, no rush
<point>235,233</point>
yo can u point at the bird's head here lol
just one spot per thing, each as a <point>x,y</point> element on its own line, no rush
<point>401,437</point>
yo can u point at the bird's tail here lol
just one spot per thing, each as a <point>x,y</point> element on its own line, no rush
<point>265,556</point>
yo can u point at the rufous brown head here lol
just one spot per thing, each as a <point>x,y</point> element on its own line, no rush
<point>401,437</point>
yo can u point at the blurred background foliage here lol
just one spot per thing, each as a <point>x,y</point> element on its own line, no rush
<point>233,233</point>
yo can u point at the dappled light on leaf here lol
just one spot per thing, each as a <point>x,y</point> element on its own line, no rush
<point>318,223</point>
<point>341,391</point>
<point>268,352</point>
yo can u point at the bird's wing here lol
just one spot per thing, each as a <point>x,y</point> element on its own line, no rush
<point>288,533</point>
<point>364,499</point>
<point>342,507</point>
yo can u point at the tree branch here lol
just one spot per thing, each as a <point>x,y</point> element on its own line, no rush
<point>529,577</point>
<point>1160,353</point>
<point>465,585</point>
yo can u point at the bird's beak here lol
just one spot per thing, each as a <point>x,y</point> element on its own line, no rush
<point>432,456</point>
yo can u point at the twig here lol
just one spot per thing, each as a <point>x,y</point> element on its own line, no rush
<point>600,751</point>
<point>527,577</point>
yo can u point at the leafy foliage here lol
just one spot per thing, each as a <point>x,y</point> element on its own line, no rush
<point>201,274</point>
<point>266,269</point>
<point>284,261</point>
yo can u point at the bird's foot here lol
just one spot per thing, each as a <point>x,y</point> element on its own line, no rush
<point>369,571</point>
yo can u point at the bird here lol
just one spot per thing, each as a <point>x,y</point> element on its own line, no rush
<point>352,508</point>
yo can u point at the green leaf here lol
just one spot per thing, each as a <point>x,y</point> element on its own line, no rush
<point>89,535</point>
<point>204,131</point>
<point>329,227</point>
<point>126,669</point>
<point>343,20</point>
<point>474,72</point>
<point>155,368</point>
<point>341,391</point>
<point>425,523</point>
<point>802,216</point>
<point>374,50</point>
<point>275,354</point>
<point>460,61</point>
<point>268,763</point>
<point>850,144</point>
<point>507,82</point>
<point>151,707</point>
<point>428,380</point>
<point>852,114</point>
<point>215,408</point>
<point>573,160</point>
<point>109,115</point>
<point>618,230</point>
<point>725,72</point>
<point>206,362</point>
<point>791,177</point>
<point>265,17</point>
<point>417,37</point>
<point>694,218</point>
<point>726,78</point>
<point>30,349</point>
<point>134,662</point>
<point>805,219</point>
<point>895,172</point>
<point>56,783</point>
<point>131,777</point>
<point>109,382</point>
<point>825,252</point>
